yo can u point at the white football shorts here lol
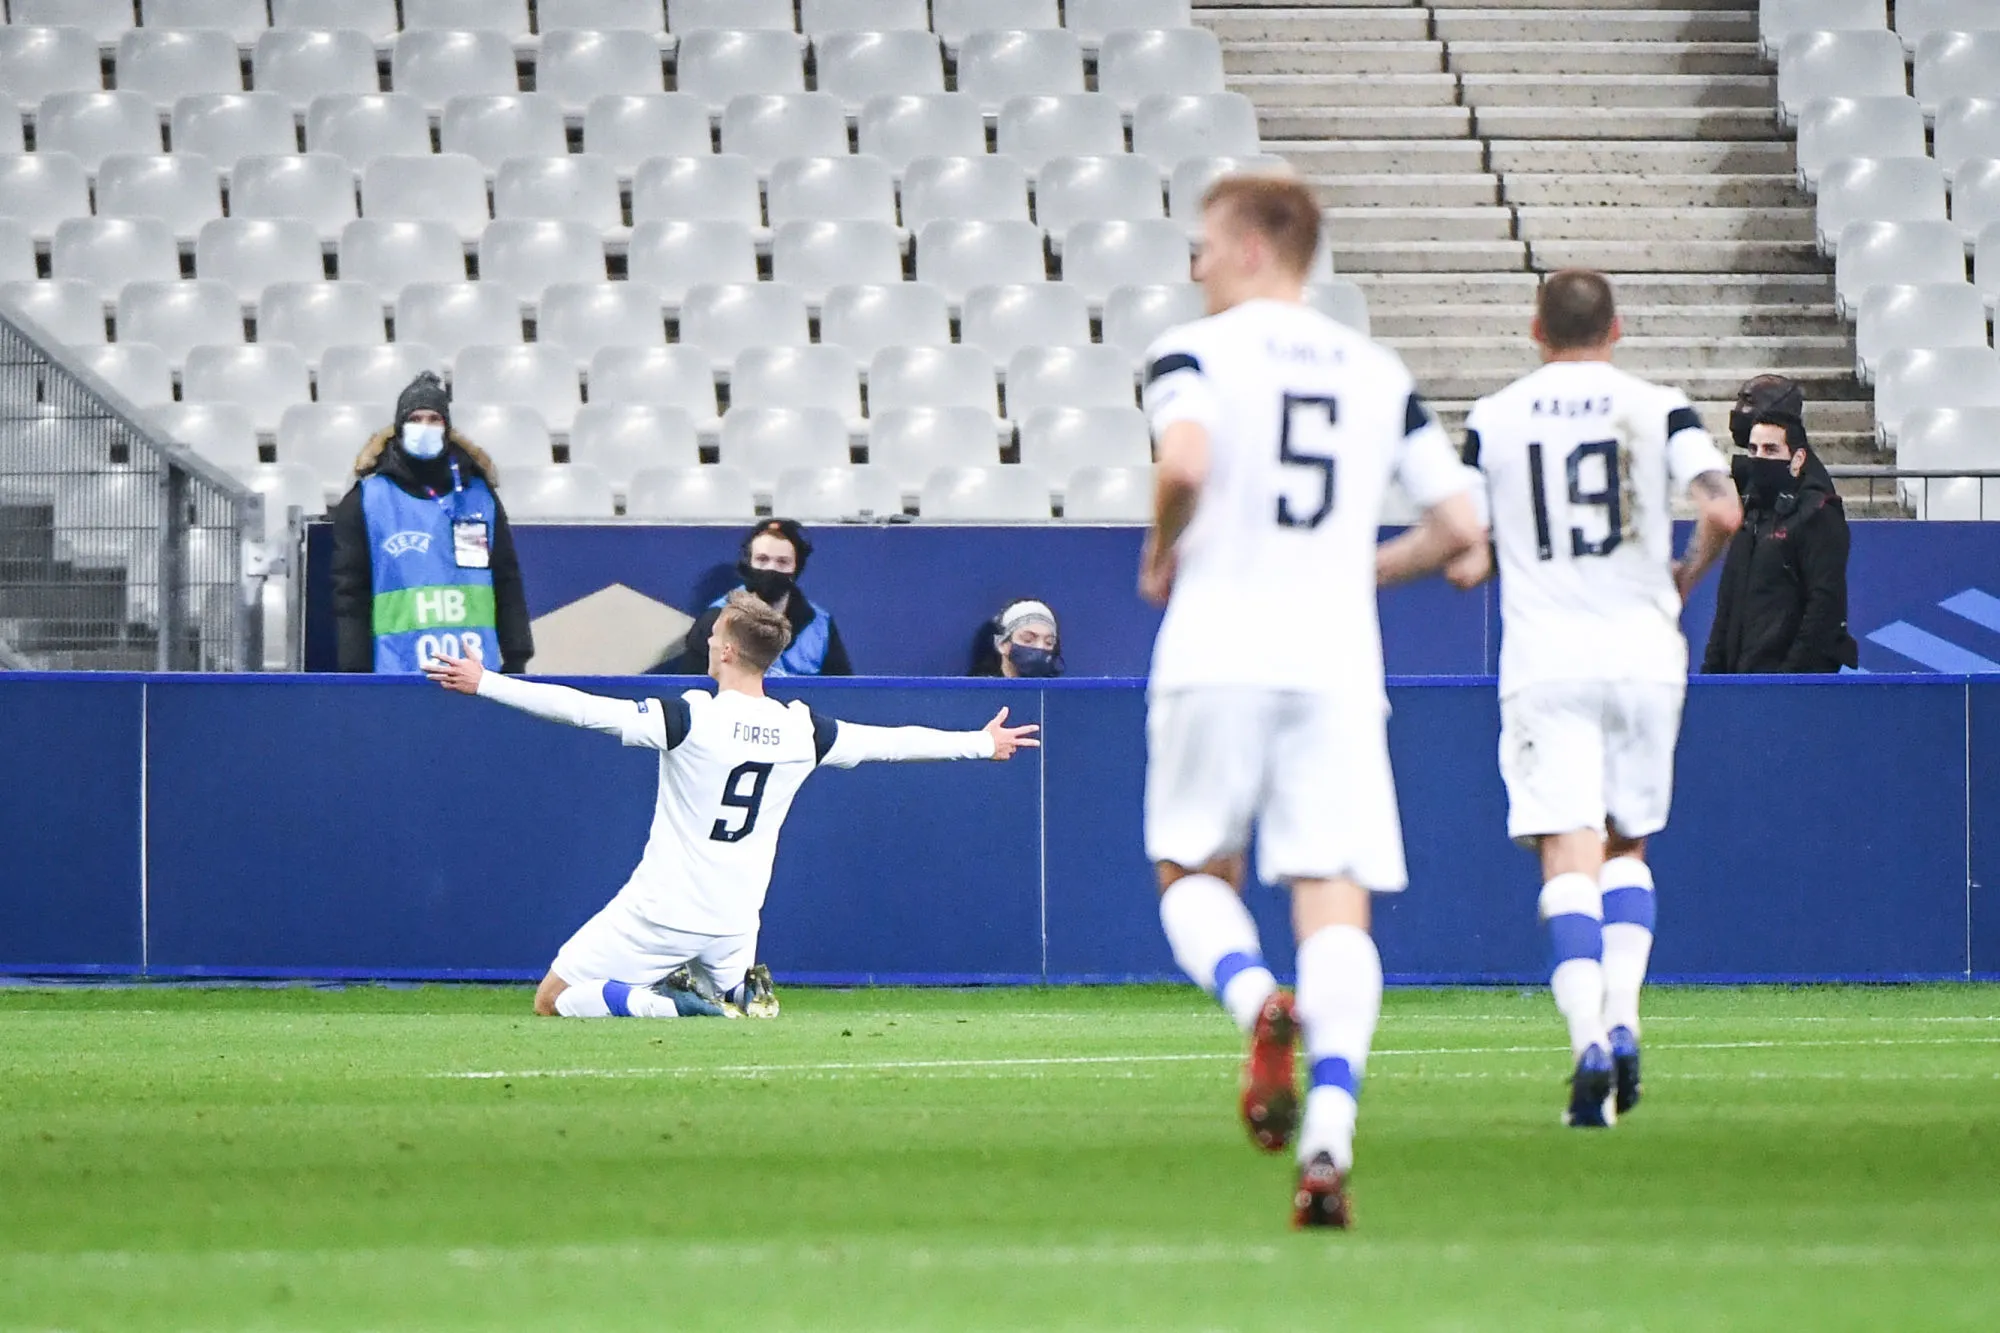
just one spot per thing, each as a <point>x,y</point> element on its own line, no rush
<point>1576,754</point>
<point>1309,771</point>
<point>621,944</point>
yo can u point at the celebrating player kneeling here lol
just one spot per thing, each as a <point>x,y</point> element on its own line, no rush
<point>730,764</point>
<point>1579,459</point>
<point>1279,431</point>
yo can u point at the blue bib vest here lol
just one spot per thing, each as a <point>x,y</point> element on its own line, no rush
<point>426,604</point>
<point>807,652</point>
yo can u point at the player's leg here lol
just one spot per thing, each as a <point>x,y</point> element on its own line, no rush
<point>607,970</point>
<point>1639,764</point>
<point>729,965</point>
<point>1339,1002</point>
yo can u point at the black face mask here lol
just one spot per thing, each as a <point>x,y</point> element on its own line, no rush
<point>767,585</point>
<point>1034,662</point>
<point>1766,479</point>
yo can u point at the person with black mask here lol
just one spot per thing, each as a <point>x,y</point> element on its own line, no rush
<point>1022,642</point>
<point>1781,605</point>
<point>423,558</point>
<point>769,564</point>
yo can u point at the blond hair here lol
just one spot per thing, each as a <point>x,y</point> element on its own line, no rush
<point>1281,209</point>
<point>758,630</point>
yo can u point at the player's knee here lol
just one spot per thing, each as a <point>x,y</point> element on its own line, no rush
<point>1229,869</point>
<point>545,994</point>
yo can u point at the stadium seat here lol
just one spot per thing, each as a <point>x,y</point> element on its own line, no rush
<point>826,377</point>
<point>12,137</point>
<point>995,67</point>
<point>1975,197</point>
<point>837,494</point>
<point>1001,320</point>
<point>1835,127</point>
<point>1189,182</point>
<point>241,19</point>
<point>569,187</point>
<point>712,494</point>
<point>931,377</point>
<point>627,129</point>
<point>767,128</point>
<point>1059,440</point>
<point>263,380</point>
<point>17,252</point>
<point>448,317</point>
<point>537,375</point>
<point>166,63</point>
<point>389,256</point>
<point>225,127</point>
<point>1095,189</point>
<point>40,190</point>
<point>105,20</point>
<point>373,374</point>
<point>491,127</point>
<point>1092,19</point>
<point>985,495</point>
<point>817,256</point>
<point>707,188</point>
<point>955,20</point>
<point>1109,495</point>
<point>509,18</point>
<point>1966,127</point>
<point>284,486</point>
<point>685,16</point>
<point>1176,61</point>
<point>359,127</point>
<point>716,67</point>
<point>38,62</point>
<point>1173,128</point>
<point>1947,439</point>
<point>762,442</point>
<point>1893,189</point>
<point>832,189</point>
<point>1341,301</point>
<point>902,128</point>
<point>437,65</point>
<point>138,371</point>
<point>1135,316</point>
<point>910,443</point>
<point>92,126</point>
<point>69,308</point>
<point>513,434</point>
<point>325,438</point>
<point>865,319</point>
<point>578,66</point>
<point>1932,377</point>
<point>1086,376</point>
<point>313,316</point>
<point>110,252</point>
<point>376,18</point>
<point>572,491</point>
<point>1918,19</point>
<point>1878,252</point>
<point>1098,256</point>
<point>1956,64</point>
<point>821,18</point>
<point>724,318</point>
<point>252,253</point>
<point>674,257</point>
<point>1838,64</point>
<point>1986,264</point>
<point>222,433</point>
<point>1899,317</point>
<point>428,187</point>
<point>982,188</point>
<point>656,376</point>
<point>599,16</point>
<point>180,189</point>
<point>584,317</point>
<point>525,256</point>
<point>855,66</point>
<point>316,188</point>
<point>1033,130</point>
<point>958,256</point>
<point>1778,20</point>
<point>299,64</point>
<point>624,439</point>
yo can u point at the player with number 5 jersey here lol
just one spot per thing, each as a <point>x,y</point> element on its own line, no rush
<point>680,938</point>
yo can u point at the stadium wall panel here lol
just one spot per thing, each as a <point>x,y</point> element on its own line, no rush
<point>1982,751</point>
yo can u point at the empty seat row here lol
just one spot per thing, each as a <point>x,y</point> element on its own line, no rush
<point>1916,20</point>
<point>1918,379</point>
<point>1907,189</point>
<point>1901,316</point>
<point>1870,64</point>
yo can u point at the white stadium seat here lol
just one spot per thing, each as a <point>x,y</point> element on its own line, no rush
<point>573,491</point>
<point>389,255</point>
<point>1032,130</point>
<point>718,66</point>
<point>92,126</point>
<point>1059,440</point>
<point>576,67</point>
<point>241,19</point>
<point>837,494</point>
<point>817,256</point>
<point>627,129</point>
<point>724,318</point>
<point>985,495</point>
<point>373,374</point>
<point>979,188</point>
<point>818,18</point>
<point>712,494</point>
<point>1109,495</point>
<point>313,316</point>
<point>1942,377</point>
<point>1975,197</point>
<point>767,128</point>
<point>69,308</point>
<point>1918,19</point>
<point>104,20</point>
<point>898,129</point>
<point>855,66</point>
<point>1780,19</point>
<point>931,377</point>
<point>252,253</point>
<point>1095,189</point>
<point>604,16</point>
<point>1092,19</point>
<point>359,127</point>
<point>284,486</point>
<point>955,20</point>
<point>180,189</point>
<point>299,64</point>
<point>1086,376</point>
<point>674,257</point>
<point>910,443</point>
<point>1098,256</point>
<point>1986,264</point>
<point>1135,315</point>
<point>17,252</point>
<point>509,18</point>
<point>625,439</point>
<point>40,190</point>
<point>1878,252</point>
<point>1176,61</point>
<point>678,377</point>
<point>847,188</point>
<point>325,438</point>
<point>376,18</point>
<point>866,318</point>
<point>823,377</point>
<point>166,63</point>
<point>1170,128</point>
<point>719,187</point>
<point>36,62</point>
<point>264,380</point>
<point>1891,189</point>
<point>226,126</point>
<point>958,256</point>
<point>1956,64</point>
<point>535,375</point>
<point>568,187</point>
<point>1831,128</point>
<point>525,256</point>
<point>762,442</point>
<point>440,64</point>
<point>1838,64</point>
<point>1944,439</point>
<point>1967,127</point>
<point>1189,181</point>
<point>586,317</point>
<point>137,370</point>
<point>222,433</point>
<point>316,188</point>
<point>494,126</point>
<point>1002,320</point>
<point>685,16</point>
<point>1899,317</point>
<point>451,316</point>
<point>994,66</point>
<point>111,252</point>
<point>512,434</point>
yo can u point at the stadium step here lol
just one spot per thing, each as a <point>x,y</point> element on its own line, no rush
<point>1624,122</point>
<point>1363,122</point>
<point>1344,91</point>
<point>1438,257</point>
<point>1247,23</point>
<point>1670,225</point>
<point>1424,226</point>
<point>1749,157</point>
<point>1672,321</point>
<point>1537,189</point>
<point>1531,58</point>
<point>1391,190</point>
<point>1611,91</point>
<point>1368,157</point>
<point>1672,357</point>
<point>1599,24</point>
<point>1242,60</point>
<point>1678,256</point>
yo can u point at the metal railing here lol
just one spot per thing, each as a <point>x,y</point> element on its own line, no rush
<point>1964,493</point>
<point>119,549</point>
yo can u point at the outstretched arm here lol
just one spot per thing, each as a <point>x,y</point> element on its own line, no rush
<point>849,743</point>
<point>1450,536</point>
<point>649,723</point>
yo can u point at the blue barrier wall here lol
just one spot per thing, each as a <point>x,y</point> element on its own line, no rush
<point>316,826</point>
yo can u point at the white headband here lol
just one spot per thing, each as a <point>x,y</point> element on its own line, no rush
<point>1022,613</point>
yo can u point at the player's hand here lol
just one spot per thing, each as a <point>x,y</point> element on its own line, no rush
<point>1156,573</point>
<point>1008,739</point>
<point>455,673</point>
<point>1471,569</point>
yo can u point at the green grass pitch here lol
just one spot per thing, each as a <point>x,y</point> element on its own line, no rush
<point>1006,1160</point>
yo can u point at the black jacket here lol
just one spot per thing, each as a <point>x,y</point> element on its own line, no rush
<point>354,571</point>
<point>799,612</point>
<point>1782,602</point>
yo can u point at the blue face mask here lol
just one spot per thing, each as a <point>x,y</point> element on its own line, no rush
<point>422,441</point>
<point>1033,661</point>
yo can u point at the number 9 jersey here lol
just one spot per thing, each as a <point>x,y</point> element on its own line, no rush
<point>1308,421</point>
<point>1581,462</point>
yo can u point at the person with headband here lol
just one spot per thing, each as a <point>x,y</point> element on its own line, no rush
<point>769,564</point>
<point>1021,642</point>
<point>423,558</point>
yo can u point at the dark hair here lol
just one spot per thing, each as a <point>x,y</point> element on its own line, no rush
<point>1795,429</point>
<point>1575,309</point>
<point>758,632</point>
<point>1279,208</point>
<point>1764,393</point>
<point>790,531</point>
<point>425,393</point>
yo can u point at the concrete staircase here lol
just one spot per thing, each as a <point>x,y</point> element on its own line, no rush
<point>1461,152</point>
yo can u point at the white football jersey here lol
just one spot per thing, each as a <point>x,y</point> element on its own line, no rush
<point>1581,462</point>
<point>1308,421</point>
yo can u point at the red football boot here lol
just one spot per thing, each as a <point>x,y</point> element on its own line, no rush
<point>1321,1199</point>
<point>1270,1085</point>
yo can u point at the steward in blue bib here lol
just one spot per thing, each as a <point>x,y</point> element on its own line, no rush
<point>423,558</point>
<point>770,562</point>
